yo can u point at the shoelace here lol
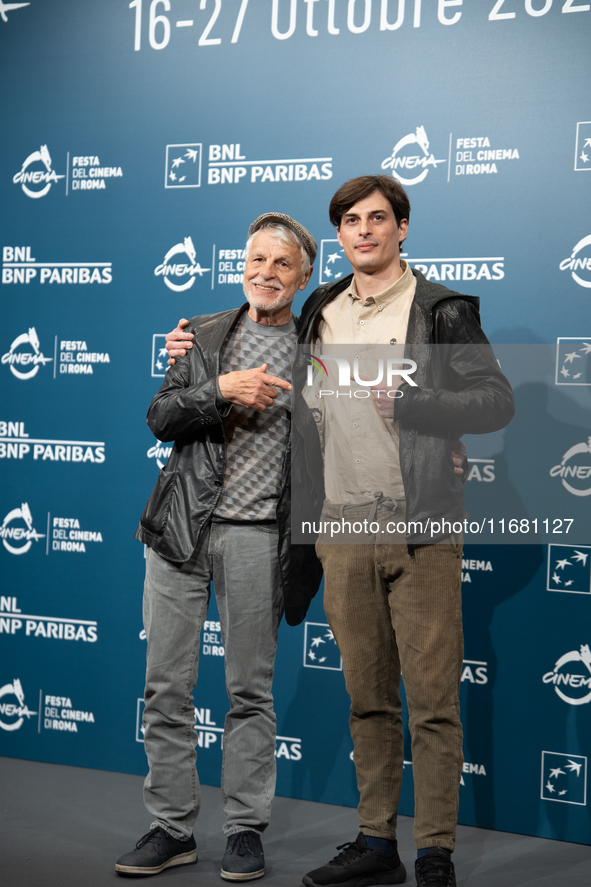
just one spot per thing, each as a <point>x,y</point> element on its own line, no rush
<point>243,844</point>
<point>154,835</point>
<point>349,852</point>
<point>435,872</point>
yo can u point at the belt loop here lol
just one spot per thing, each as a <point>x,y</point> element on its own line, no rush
<point>411,550</point>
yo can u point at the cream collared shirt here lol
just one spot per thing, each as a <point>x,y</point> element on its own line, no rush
<point>360,447</point>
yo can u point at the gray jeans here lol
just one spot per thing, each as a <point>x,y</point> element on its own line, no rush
<point>242,561</point>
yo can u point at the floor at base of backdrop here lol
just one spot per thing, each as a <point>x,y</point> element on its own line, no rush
<point>65,827</point>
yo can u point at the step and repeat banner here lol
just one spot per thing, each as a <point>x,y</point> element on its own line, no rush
<point>139,140</point>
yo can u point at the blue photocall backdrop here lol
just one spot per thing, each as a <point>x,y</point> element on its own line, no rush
<point>139,141</point>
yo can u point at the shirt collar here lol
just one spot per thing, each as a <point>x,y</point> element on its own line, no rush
<point>393,292</point>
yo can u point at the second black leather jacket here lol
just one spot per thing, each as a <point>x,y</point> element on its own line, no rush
<point>460,390</point>
<point>189,486</point>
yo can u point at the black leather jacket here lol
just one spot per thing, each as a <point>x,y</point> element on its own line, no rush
<point>461,390</point>
<point>189,486</point>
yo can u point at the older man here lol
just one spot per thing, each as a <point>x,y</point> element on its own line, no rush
<point>220,511</point>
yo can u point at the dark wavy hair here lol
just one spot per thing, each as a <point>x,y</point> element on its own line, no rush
<point>360,188</point>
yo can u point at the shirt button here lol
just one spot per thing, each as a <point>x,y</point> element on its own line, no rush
<point>362,322</point>
<point>354,424</point>
<point>379,307</point>
<point>358,460</point>
<point>392,341</point>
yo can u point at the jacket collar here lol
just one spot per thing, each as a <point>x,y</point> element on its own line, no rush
<point>427,295</point>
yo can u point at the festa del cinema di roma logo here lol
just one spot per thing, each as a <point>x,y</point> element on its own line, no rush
<point>36,171</point>
<point>12,530</point>
<point>421,161</point>
<point>32,357</point>
<point>183,271</point>
<point>579,263</point>
<point>574,688</point>
<point>12,716</point>
<point>580,471</point>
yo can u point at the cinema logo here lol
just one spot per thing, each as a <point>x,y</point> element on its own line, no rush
<point>13,714</point>
<point>19,266</point>
<point>36,175</point>
<point>571,676</point>
<point>411,160</point>
<point>17,531</point>
<point>160,453</point>
<point>576,466</point>
<point>30,358</point>
<point>579,263</point>
<point>183,272</point>
<point>24,357</point>
<point>13,621</point>
<point>401,367</point>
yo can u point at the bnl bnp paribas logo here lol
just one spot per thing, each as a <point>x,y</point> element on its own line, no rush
<point>569,569</point>
<point>573,360</point>
<point>564,778</point>
<point>583,147</point>
<point>320,647</point>
<point>228,165</point>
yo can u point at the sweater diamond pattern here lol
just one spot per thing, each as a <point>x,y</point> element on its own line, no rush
<point>256,442</point>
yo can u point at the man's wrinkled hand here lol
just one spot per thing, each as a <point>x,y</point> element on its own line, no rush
<point>458,455</point>
<point>254,389</point>
<point>178,342</point>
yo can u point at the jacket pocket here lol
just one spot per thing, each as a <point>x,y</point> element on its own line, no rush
<point>157,510</point>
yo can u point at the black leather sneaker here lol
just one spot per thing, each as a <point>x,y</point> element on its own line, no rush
<point>435,869</point>
<point>157,851</point>
<point>243,859</point>
<point>358,864</point>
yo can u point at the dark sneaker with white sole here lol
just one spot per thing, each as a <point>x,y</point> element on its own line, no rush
<point>435,869</point>
<point>155,852</point>
<point>243,859</point>
<point>358,865</point>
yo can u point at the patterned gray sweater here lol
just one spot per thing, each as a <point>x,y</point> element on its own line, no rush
<point>256,442</point>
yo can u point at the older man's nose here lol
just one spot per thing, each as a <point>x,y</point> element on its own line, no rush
<point>267,271</point>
